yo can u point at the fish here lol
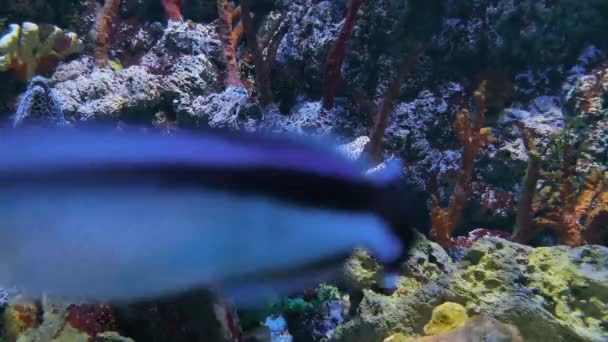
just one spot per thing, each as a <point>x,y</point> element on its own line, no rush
<point>135,216</point>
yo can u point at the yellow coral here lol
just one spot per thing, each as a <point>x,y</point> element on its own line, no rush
<point>447,316</point>
<point>9,44</point>
<point>23,51</point>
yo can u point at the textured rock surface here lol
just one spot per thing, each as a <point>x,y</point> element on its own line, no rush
<point>550,293</point>
<point>177,70</point>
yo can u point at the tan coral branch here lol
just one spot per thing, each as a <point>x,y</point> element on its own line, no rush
<point>102,30</point>
<point>230,35</point>
<point>472,137</point>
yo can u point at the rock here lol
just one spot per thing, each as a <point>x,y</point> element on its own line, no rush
<point>228,109</point>
<point>505,31</point>
<point>587,102</point>
<point>420,129</point>
<point>313,27</point>
<point>105,94</point>
<point>177,70</point>
<point>361,271</point>
<point>192,39</point>
<point>305,118</point>
<point>549,293</point>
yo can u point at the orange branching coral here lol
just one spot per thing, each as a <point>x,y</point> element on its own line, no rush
<point>230,34</point>
<point>578,215</point>
<point>102,29</point>
<point>472,136</point>
<point>579,218</point>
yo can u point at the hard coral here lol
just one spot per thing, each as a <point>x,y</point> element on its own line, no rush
<point>333,65</point>
<point>230,36</point>
<point>30,48</point>
<point>472,136</point>
<point>578,216</point>
<point>102,30</point>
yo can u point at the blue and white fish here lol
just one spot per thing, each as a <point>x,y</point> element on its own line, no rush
<point>123,217</point>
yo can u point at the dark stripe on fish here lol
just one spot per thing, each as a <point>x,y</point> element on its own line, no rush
<point>300,188</point>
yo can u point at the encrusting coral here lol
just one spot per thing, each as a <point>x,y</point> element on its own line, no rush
<point>29,48</point>
<point>450,322</point>
<point>447,316</point>
<point>472,136</point>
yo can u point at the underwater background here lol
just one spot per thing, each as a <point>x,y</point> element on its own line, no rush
<point>498,108</point>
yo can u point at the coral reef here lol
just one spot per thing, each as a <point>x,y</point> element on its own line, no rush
<point>29,48</point>
<point>515,284</point>
<point>383,79</point>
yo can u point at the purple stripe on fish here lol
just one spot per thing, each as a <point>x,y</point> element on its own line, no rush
<point>50,149</point>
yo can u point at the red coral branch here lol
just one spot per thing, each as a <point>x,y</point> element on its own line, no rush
<point>172,10</point>
<point>333,65</point>
<point>230,36</point>
<point>262,69</point>
<point>382,112</point>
